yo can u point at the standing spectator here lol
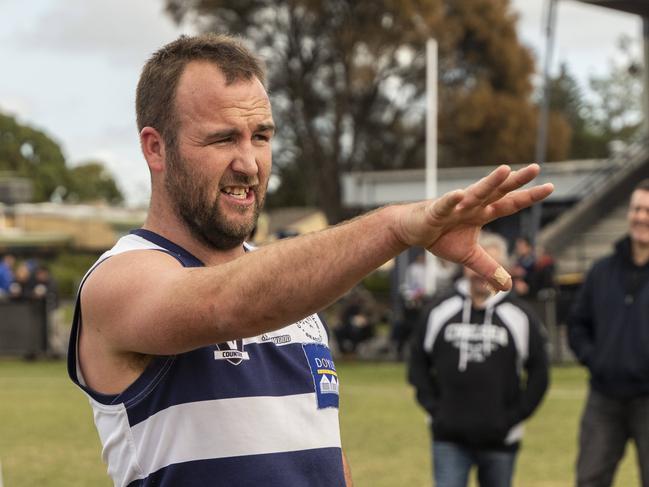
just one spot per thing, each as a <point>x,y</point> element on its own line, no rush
<point>524,266</point>
<point>469,359</point>
<point>44,287</point>
<point>23,283</point>
<point>6,273</point>
<point>446,274</point>
<point>608,330</point>
<point>413,295</point>
<point>543,273</point>
<point>355,324</point>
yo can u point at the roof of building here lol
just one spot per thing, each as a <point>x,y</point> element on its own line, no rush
<point>640,7</point>
<point>375,188</point>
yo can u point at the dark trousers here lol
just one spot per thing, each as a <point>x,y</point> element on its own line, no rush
<point>607,425</point>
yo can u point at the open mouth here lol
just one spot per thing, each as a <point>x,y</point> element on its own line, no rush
<point>237,192</point>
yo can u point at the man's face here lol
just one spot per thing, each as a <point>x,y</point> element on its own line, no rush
<point>218,174</point>
<point>638,217</point>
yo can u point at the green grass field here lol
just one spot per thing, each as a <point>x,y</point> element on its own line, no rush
<point>47,437</point>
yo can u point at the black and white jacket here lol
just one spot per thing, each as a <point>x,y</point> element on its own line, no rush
<point>479,372</point>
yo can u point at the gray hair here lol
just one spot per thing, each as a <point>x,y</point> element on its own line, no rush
<point>493,240</point>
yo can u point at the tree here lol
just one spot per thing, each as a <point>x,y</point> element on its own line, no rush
<point>91,181</point>
<point>610,110</point>
<point>568,99</point>
<point>615,111</point>
<point>347,81</point>
<point>30,153</point>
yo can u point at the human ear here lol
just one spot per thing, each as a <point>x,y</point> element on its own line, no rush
<point>153,148</point>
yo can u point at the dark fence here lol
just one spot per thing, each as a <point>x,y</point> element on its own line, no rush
<point>23,327</point>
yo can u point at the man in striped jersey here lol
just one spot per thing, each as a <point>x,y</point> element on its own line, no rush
<point>204,362</point>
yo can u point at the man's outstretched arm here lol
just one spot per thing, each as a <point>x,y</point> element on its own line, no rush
<point>165,309</point>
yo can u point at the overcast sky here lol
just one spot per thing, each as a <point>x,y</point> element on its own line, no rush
<point>69,67</point>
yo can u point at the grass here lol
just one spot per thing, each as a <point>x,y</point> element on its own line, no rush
<point>47,436</point>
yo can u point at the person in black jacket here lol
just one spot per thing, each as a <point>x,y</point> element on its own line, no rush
<point>608,330</point>
<point>467,364</point>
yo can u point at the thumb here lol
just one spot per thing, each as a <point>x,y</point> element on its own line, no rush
<point>490,270</point>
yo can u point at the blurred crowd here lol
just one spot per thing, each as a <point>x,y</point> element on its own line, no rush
<point>27,279</point>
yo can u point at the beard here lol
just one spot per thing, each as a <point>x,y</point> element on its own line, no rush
<point>204,218</point>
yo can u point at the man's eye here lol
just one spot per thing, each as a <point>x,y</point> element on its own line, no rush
<point>225,140</point>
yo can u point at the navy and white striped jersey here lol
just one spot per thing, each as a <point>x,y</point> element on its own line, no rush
<point>257,411</point>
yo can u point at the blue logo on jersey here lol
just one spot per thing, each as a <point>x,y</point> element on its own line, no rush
<point>323,370</point>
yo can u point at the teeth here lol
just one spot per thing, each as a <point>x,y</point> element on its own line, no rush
<point>237,192</point>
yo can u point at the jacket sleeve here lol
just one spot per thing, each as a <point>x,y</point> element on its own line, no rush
<point>420,373</point>
<point>537,369</point>
<point>581,323</point>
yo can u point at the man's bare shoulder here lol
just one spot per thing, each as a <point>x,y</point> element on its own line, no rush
<point>126,273</point>
<point>125,292</point>
<point>113,300</point>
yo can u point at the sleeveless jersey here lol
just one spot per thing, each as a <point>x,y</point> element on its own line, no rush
<point>260,411</point>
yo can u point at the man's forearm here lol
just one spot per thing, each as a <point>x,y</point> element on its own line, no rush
<point>285,281</point>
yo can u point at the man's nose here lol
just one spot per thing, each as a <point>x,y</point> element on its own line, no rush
<point>244,160</point>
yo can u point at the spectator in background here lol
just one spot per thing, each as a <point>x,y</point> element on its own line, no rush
<point>44,287</point>
<point>542,276</point>
<point>22,286</point>
<point>523,269</point>
<point>479,367</point>
<point>446,273</point>
<point>7,264</point>
<point>413,296</point>
<point>608,331</point>
<point>355,322</point>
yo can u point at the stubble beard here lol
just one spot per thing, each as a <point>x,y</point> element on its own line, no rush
<point>204,218</point>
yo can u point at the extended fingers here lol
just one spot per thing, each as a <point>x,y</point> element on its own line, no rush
<point>518,200</point>
<point>515,180</point>
<point>495,186</point>
<point>479,191</point>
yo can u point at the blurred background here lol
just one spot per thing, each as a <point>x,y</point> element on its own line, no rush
<point>559,82</point>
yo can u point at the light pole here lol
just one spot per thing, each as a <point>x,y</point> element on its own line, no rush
<point>542,132</point>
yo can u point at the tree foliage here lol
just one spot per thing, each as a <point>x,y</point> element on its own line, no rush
<point>616,108</point>
<point>347,79</point>
<point>91,181</point>
<point>610,110</point>
<point>30,153</point>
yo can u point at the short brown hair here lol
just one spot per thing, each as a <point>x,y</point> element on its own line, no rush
<point>643,185</point>
<point>156,91</point>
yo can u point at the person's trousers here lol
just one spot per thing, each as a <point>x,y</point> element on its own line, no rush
<point>607,425</point>
<point>452,463</point>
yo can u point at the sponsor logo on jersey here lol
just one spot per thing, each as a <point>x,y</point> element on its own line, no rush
<point>325,377</point>
<point>311,327</point>
<point>232,351</point>
<point>277,340</point>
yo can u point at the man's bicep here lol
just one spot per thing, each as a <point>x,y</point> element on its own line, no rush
<point>130,303</point>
